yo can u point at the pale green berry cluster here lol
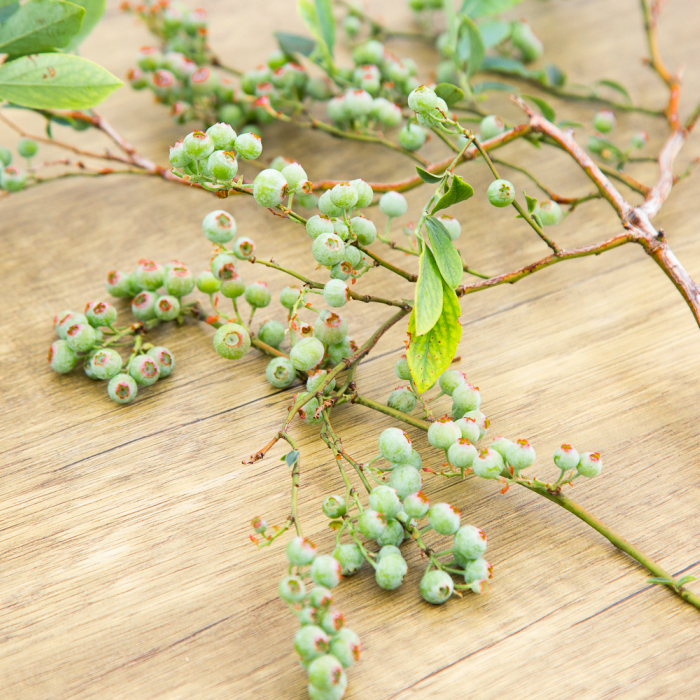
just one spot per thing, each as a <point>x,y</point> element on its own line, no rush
<point>326,647</point>
<point>12,177</point>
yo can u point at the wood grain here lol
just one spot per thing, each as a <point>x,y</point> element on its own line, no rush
<point>126,568</point>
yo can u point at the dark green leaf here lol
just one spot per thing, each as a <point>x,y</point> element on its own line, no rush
<point>326,23</point>
<point>446,255</point>
<point>470,46</point>
<point>428,300</point>
<point>55,81</point>
<point>494,32</point>
<point>614,85</point>
<point>429,355</point>
<point>509,66</point>
<point>543,106</point>
<point>459,192</point>
<point>555,76</point>
<point>493,86</point>
<point>531,203</point>
<point>40,25</point>
<point>293,43</point>
<point>94,9</point>
<point>450,93</point>
<point>8,10</point>
<point>661,581</point>
<point>291,458</point>
<point>428,176</point>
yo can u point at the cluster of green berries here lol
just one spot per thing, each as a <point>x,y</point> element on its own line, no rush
<point>87,337</point>
<point>12,177</point>
<point>604,123</point>
<point>326,647</point>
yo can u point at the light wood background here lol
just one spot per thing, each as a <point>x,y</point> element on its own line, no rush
<point>126,567</point>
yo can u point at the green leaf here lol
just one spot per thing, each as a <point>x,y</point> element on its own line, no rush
<point>294,43</point>
<point>566,123</point>
<point>531,203</point>
<point>335,524</point>
<point>614,85</point>
<point>429,355</point>
<point>40,25</point>
<point>326,23</point>
<point>8,10</point>
<point>494,32</point>
<point>55,81</point>
<point>554,75</point>
<point>509,66</point>
<point>485,8</point>
<point>428,304</point>
<point>470,46</point>
<point>459,192</point>
<point>544,107</point>
<point>492,86</point>
<point>450,93</point>
<point>291,458</point>
<point>5,3</point>
<point>428,176</point>
<point>661,581</point>
<point>686,579</point>
<point>446,255</point>
<point>94,9</point>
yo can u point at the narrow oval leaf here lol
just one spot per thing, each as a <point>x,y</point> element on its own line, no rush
<point>326,23</point>
<point>294,43</point>
<point>544,107</point>
<point>429,355</point>
<point>459,192</point>
<point>485,8</point>
<point>291,458</point>
<point>470,46</point>
<point>509,66</point>
<point>55,81</point>
<point>40,25</point>
<point>493,32</point>
<point>94,9</point>
<point>450,93</point>
<point>428,300</point>
<point>555,76</point>
<point>446,256</point>
<point>428,176</point>
<point>614,85</point>
<point>492,86</point>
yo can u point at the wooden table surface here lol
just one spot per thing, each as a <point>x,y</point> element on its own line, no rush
<point>126,566</point>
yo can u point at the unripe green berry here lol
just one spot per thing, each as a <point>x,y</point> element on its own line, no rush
<point>105,364</point>
<point>99,313</point>
<point>289,296</point>
<point>311,642</point>
<point>520,454</point>
<point>316,379</point>
<point>604,121</point>
<point>384,500</point>
<point>640,139</point>
<point>491,126</point>
<point>318,225</point>
<point>469,543</point>
<point>346,647</point>
<point>526,41</point>
<point>341,350</point>
<point>331,621</point>
<point>223,266</point>
<point>405,478</point>
<point>393,534</point>
<point>388,550</point>
<point>344,195</point>
<point>364,192</point>
<point>326,206</point>
<point>481,421</point>
<point>477,570</point>
<point>325,571</point>
<point>270,188</point>
<point>149,275</point>
<point>178,280</point>
<point>402,399</point>
<point>334,507</point>
<point>296,177</point>
<point>436,586</point>
<point>272,333</point>
<point>248,145</point>
<point>590,464</point>
<point>358,103</point>
<point>320,598</point>
<point>310,412</point>
<point>222,135</point>
<point>280,372</point>
<point>390,572</point>
<point>66,319</point>
<point>326,673</point>
<point>340,228</point>
<point>501,193</point>
<point>80,337</point>
<point>469,429</point>
<point>5,156</point>
<point>443,433</point>
<point>566,457</point>
<point>118,284</point>
<point>364,229</point>
<point>401,369</point>
<point>415,460</point>
<point>207,283</point>
<point>198,145</point>
<point>466,397</point>
<point>350,558</point>
<point>423,99</point>
<point>221,166</point>
<point>27,148</point>
<point>243,248</point>
<point>144,369</point>
<point>291,589</point>
<point>307,353</point>
<point>258,295</point>
<point>167,308</point>
<point>233,287</point>
<point>165,360</point>
<point>412,137</point>
<point>501,445</point>
<point>12,179</point>
<point>549,213</point>
<point>330,328</point>
<point>336,293</point>
<point>416,505</point>
<point>452,226</point>
<point>488,464</point>
<point>231,341</point>
<point>300,551</point>
<point>444,518</point>
<point>393,204</point>
<point>62,357</point>
<point>371,523</point>
<point>450,380</point>
<point>328,249</point>
<point>143,306</point>
<point>462,454</point>
<point>395,446</point>
<point>122,388</point>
